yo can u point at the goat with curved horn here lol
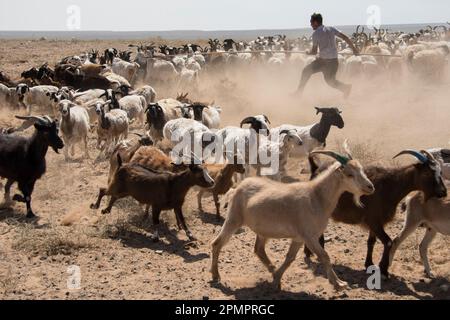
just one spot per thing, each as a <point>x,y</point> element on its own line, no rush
<point>422,158</point>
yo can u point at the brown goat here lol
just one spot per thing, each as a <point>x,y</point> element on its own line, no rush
<point>391,186</point>
<point>92,70</point>
<point>223,178</point>
<point>153,158</point>
<point>126,152</point>
<point>161,190</point>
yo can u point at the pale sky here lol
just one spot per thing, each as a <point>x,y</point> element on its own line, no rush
<point>145,15</point>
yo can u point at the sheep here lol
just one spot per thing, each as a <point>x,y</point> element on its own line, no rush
<point>443,157</point>
<point>22,159</point>
<point>161,190</point>
<point>127,149</point>
<point>315,135</point>
<point>124,68</point>
<point>112,126</point>
<point>188,79</point>
<point>208,115</point>
<point>134,105</point>
<point>222,175</point>
<point>74,126</point>
<point>36,96</point>
<point>280,149</point>
<point>299,211</point>
<point>433,214</point>
<point>147,92</point>
<point>392,185</point>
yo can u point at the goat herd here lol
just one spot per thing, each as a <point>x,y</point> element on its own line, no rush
<point>92,92</point>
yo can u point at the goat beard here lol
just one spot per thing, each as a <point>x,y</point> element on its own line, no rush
<point>357,200</point>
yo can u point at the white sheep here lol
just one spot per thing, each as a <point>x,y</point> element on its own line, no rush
<point>298,211</point>
<point>74,126</point>
<point>433,214</point>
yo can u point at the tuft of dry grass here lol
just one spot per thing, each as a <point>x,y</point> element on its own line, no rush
<point>8,282</point>
<point>51,241</point>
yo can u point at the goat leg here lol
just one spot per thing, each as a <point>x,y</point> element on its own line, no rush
<point>387,243</point>
<point>7,201</point>
<point>155,219</point>
<point>370,244</point>
<point>308,252</point>
<point>180,217</point>
<point>101,194</point>
<point>112,199</point>
<point>26,189</point>
<point>217,203</point>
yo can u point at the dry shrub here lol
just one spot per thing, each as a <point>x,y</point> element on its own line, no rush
<point>51,241</point>
<point>8,282</point>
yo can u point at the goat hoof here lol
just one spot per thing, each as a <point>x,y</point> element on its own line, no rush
<point>105,211</point>
<point>93,206</point>
<point>340,285</point>
<point>30,215</point>
<point>429,274</point>
<point>18,198</point>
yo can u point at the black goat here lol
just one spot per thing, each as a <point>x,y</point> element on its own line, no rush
<point>391,186</point>
<point>22,159</point>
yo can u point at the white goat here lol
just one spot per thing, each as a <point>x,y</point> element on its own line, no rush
<point>443,157</point>
<point>298,211</point>
<point>279,151</point>
<point>147,92</point>
<point>112,126</point>
<point>315,135</point>
<point>124,68</point>
<point>434,214</point>
<point>37,96</point>
<point>74,125</point>
<point>134,105</point>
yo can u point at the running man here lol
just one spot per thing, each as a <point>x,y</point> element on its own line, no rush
<point>324,39</point>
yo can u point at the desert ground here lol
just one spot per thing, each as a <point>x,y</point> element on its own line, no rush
<point>118,259</point>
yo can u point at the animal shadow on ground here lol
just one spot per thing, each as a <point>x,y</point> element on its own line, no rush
<point>434,287</point>
<point>359,278</point>
<point>172,245</point>
<point>210,218</point>
<point>12,217</point>
<point>264,290</point>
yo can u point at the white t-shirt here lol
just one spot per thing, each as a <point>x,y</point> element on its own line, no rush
<point>325,39</point>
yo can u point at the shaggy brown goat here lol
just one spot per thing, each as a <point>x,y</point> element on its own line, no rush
<point>391,186</point>
<point>161,190</point>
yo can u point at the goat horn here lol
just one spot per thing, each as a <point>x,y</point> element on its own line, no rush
<point>341,159</point>
<point>414,153</point>
<point>347,149</point>
<point>33,118</point>
<point>427,154</point>
<point>284,131</point>
<point>247,120</point>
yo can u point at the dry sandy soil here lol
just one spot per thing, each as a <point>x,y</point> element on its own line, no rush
<point>115,254</point>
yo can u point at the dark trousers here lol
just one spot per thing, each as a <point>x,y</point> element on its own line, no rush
<point>328,67</point>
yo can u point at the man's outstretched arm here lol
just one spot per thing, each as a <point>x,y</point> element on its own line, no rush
<point>349,42</point>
